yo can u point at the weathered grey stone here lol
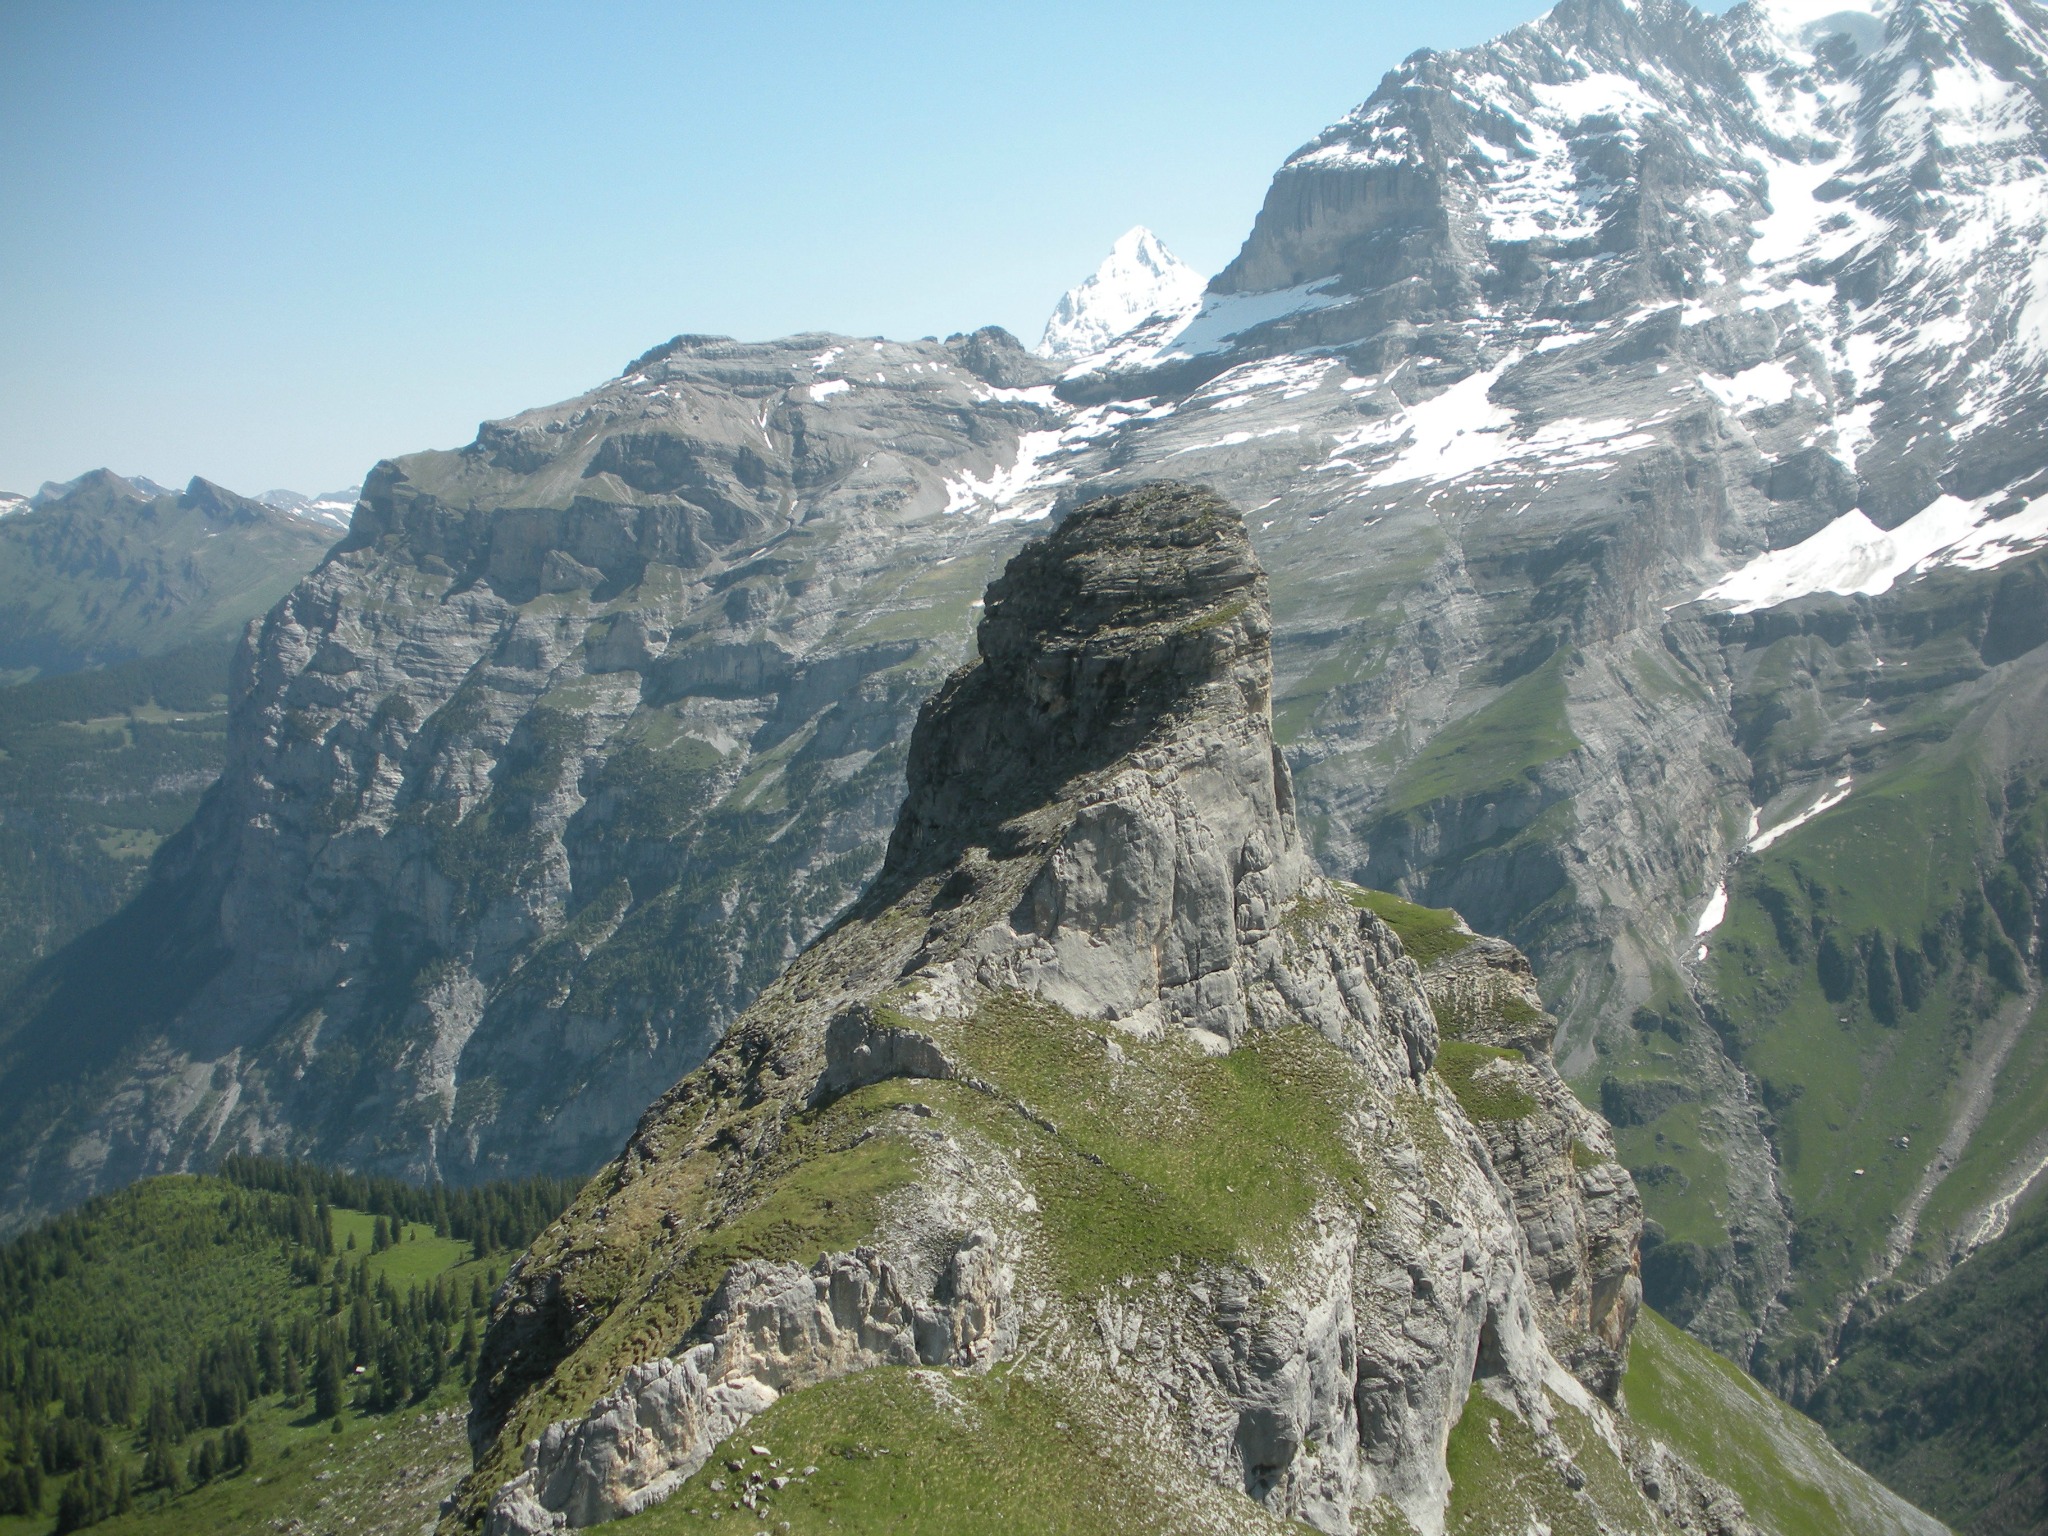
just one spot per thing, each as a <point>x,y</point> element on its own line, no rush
<point>1580,1215</point>
<point>1097,818</point>
<point>774,1328</point>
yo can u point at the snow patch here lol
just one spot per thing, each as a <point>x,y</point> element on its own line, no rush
<point>1594,94</point>
<point>1765,384</point>
<point>1853,555</point>
<point>1210,326</point>
<point>1452,433</point>
<point>1139,278</point>
<point>1013,492</point>
<point>1461,431</point>
<point>1801,24</point>
<point>825,389</point>
<point>1717,909</point>
<point>1003,485</point>
<point>1826,802</point>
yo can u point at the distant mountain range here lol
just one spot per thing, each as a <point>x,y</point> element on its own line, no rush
<point>102,570</point>
<point>121,604</point>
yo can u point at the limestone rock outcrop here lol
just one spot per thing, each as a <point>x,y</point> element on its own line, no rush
<point>1579,1211</point>
<point>1161,1095</point>
<point>773,1328</point>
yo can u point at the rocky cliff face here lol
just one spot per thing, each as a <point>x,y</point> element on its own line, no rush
<point>1577,1206</point>
<point>553,763</point>
<point>1146,1110</point>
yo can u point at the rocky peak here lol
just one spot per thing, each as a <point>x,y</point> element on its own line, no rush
<point>1137,616</point>
<point>996,357</point>
<point>1104,778</point>
<point>1095,891</point>
<point>98,488</point>
<point>219,504</point>
<point>1139,278</point>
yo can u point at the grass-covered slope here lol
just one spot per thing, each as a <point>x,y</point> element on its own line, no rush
<point>925,1453</point>
<point>1152,1174</point>
<point>1790,1478</point>
<point>97,768</point>
<point>209,1353</point>
<point>1946,1397</point>
<point>108,572</point>
<point>1876,977</point>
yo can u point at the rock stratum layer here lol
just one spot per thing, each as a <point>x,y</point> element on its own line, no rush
<point>1103,1098</point>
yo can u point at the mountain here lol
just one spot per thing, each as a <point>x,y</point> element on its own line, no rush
<point>1634,417</point>
<point>1140,278</point>
<point>1119,1126</point>
<point>1636,413</point>
<point>120,608</point>
<point>333,507</point>
<point>556,760</point>
<point>57,490</point>
<point>102,570</point>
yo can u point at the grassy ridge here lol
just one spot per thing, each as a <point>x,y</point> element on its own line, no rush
<point>1154,1167</point>
<point>1429,934</point>
<point>1792,1481</point>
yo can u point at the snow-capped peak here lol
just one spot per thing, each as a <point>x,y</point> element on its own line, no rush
<point>1801,24</point>
<point>1139,278</point>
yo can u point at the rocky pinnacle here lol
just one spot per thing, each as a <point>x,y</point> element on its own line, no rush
<point>1096,891</point>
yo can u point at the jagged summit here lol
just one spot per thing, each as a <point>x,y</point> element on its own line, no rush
<point>1091,642</point>
<point>106,568</point>
<point>1137,633</point>
<point>1139,278</point>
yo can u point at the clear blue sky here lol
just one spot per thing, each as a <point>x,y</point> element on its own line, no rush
<point>272,243</point>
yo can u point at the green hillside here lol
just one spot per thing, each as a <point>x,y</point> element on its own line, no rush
<point>203,1353</point>
<point>1875,978</point>
<point>1946,1397</point>
<point>1790,1478</point>
<point>106,573</point>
